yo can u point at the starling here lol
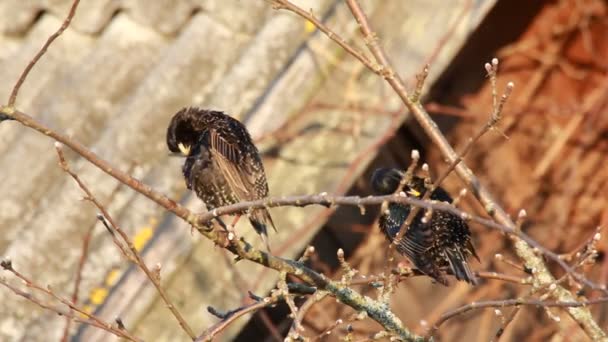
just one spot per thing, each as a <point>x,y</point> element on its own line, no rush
<point>443,243</point>
<point>222,164</point>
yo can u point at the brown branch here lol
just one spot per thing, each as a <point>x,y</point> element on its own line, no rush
<point>304,308</point>
<point>328,200</point>
<point>243,285</point>
<point>8,266</point>
<point>504,277</point>
<point>505,322</point>
<point>241,248</point>
<point>462,113</point>
<point>121,333</point>
<point>83,258</point>
<point>515,302</point>
<point>346,295</point>
<point>103,165</point>
<point>135,256</point>
<point>228,318</point>
<point>246,251</point>
<point>284,4</point>
<point>492,70</point>
<point>42,51</point>
<point>261,257</point>
<point>335,324</point>
<point>372,279</point>
<point>283,291</point>
<point>542,275</point>
<point>514,264</point>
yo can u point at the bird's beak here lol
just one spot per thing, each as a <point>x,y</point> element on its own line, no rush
<point>413,192</point>
<point>185,150</point>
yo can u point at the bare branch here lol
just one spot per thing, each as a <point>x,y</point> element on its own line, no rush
<point>241,248</point>
<point>308,304</point>
<point>283,291</point>
<point>284,4</point>
<point>229,317</point>
<point>91,319</point>
<point>83,258</point>
<point>525,251</point>
<point>514,302</point>
<point>490,124</point>
<point>28,68</point>
<point>527,248</point>
<point>134,256</point>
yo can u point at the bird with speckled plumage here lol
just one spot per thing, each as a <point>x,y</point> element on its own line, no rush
<point>222,165</point>
<point>441,244</point>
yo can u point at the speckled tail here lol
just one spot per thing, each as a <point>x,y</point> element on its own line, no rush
<point>260,219</point>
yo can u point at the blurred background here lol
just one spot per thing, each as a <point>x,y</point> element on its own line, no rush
<point>323,123</point>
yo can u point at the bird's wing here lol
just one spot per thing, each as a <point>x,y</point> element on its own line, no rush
<point>239,173</point>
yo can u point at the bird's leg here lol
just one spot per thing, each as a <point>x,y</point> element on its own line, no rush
<point>221,223</point>
<point>230,229</point>
<point>236,220</point>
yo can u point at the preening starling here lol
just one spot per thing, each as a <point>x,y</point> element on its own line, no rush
<point>443,243</point>
<point>222,164</point>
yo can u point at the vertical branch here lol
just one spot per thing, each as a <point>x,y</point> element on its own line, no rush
<point>111,226</point>
<point>83,258</point>
<point>541,274</point>
<point>497,106</point>
<point>91,319</point>
<point>41,52</point>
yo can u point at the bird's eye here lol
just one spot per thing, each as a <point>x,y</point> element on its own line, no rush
<point>184,149</point>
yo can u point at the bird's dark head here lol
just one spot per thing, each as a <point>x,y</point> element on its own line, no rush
<point>184,130</point>
<point>385,181</point>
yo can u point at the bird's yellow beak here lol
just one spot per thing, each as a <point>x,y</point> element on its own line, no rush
<point>413,192</point>
<point>185,150</point>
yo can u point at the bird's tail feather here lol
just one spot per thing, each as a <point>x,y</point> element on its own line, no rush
<point>459,266</point>
<point>260,219</point>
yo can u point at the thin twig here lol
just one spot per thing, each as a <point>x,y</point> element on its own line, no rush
<point>83,258</point>
<point>490,124</point>
<point>251,253</point>
<point>304,308</point>
<point>524,250</point>
<point>505,322</point>
<point>353,317</point>
<point>28,68</point>
<point>70,314</point>
<point>241,248</point>
<point>329,200</point>
<point>515,302</point>
<point>515,265</point>
<point>245,251</point>
<point>378,280</point>
<point>284,4</point>
<point>227,319</point>
<point>136,256</point>
<point>503,277</point>
<point>8,266</point>
<point>284,291</point>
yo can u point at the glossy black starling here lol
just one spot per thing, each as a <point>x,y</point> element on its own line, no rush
<point>443,243</point>
<point>222,164</point>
